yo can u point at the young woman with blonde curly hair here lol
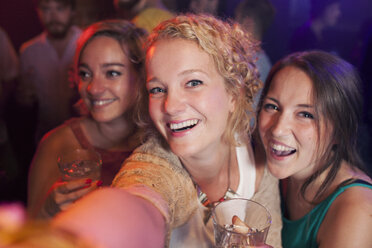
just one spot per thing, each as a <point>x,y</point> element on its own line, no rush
<point>201,81</point>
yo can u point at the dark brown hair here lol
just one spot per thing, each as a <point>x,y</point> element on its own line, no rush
<point>337,102</point>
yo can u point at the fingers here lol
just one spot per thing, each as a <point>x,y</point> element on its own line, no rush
<point>66,193</point>
<point>67,187</point>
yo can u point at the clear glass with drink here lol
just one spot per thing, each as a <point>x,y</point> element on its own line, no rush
<point>80,163</point>
<point>240,223</point>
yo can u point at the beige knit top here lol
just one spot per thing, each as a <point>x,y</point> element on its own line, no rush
<point>156,174</point>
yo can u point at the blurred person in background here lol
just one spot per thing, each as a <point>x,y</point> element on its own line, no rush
<point>45,63</point>
<point>146,14</point>
<point>204,6</point>
<point>314,34</point>
<point>88,12</point>
<point>9,69</point>
<point>256,16</point>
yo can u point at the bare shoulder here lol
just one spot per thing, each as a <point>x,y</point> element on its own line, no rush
<point>59,138</point>
<point>43,170</point>
<point>52,143</point>
<point>349,220</point>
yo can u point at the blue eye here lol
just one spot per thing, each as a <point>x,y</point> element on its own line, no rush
<point>194,83</point>
<point>156,90</point>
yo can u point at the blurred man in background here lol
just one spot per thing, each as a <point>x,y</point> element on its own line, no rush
<point>45,62</point>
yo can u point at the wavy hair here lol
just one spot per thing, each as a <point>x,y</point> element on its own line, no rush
<point>233,52</point>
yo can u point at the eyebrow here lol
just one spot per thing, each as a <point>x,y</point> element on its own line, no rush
<point>104,65</point>
<point>298,105</point>
<point>154,79</point>
<point>192,71</point>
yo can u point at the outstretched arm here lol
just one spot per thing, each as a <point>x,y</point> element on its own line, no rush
<point>112,217</point>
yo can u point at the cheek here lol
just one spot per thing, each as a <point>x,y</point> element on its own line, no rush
<point>263,123</point>
<point>309,139</point>
<point>82,87</point>
<point>64,16</point>
<point>130,89</point>
<point>154,110</point>
<point>217,100</point>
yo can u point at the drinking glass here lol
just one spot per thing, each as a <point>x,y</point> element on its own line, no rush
<point>256,218</point>
<point>80,163</point>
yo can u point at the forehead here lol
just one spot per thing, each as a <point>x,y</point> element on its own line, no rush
<point>102,47</point>
<point>178,54</point>
<point>292,84</point>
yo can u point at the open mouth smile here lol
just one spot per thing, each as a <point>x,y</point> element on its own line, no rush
<point>281,150</point>
<point>182,126</point>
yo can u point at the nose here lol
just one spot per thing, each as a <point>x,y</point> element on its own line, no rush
<point>174,103</point>
<point>51,14</point>
<point>280,125</point>
<point>95,86</point>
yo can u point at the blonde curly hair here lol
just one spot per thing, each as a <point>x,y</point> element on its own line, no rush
<point>233,52</point>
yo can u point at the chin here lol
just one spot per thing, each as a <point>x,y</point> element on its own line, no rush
<point>182,150</point>
<point>103,119</point>
<point>278,173</point>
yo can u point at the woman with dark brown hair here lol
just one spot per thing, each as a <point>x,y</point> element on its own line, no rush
<point>308,122</point>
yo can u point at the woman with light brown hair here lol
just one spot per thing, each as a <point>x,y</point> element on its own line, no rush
<point>108,69</point>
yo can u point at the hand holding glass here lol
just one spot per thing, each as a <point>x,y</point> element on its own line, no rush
<point>80,163</point>
<point>240,223</point>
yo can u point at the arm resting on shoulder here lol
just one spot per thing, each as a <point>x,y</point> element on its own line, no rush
<point>112,217</point>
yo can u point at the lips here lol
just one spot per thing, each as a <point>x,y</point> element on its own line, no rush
<point>281,150</point>
<point>182,126</point>
<point>99,103</point>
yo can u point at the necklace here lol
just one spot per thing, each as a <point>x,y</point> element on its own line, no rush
<point>229,194</point>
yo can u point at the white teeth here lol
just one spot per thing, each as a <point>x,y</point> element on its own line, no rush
<point>101,102</point>
<point>188,123</point>
<point>281,148</point>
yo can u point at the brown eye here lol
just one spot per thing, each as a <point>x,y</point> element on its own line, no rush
<point>270,106</point>
<point>307,115</point>
<point>84,75</point>
<point>113,74</point>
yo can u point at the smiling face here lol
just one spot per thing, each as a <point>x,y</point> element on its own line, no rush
<point>106,79</point>
<point>287,126</point>
<point>188,103</point>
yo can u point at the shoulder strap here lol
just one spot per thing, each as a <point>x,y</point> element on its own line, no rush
<point>78,132</point>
